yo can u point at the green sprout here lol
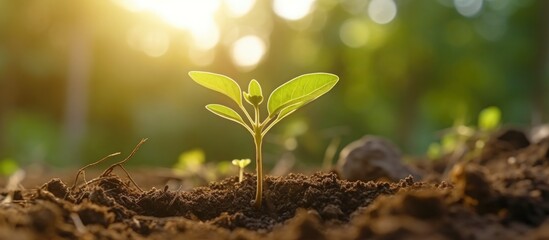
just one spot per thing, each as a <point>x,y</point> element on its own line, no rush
<point>241,164</point>
<point>460,135</point>
<point>283,101</point>
<point>190,162</point>
<point>489,119</point>
<point>488,122</point>
<point>8,167</point>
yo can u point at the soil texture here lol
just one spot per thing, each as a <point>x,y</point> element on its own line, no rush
<point>500,193</point>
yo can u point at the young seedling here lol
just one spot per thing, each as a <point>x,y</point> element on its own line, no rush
<point>456,138</point>
<point>283,101</point>
<point>241,164</point>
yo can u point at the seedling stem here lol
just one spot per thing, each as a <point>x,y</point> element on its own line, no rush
<point>283,101</point>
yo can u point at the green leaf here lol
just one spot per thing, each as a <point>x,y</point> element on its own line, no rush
<point>292,108</point>
<point>218,83</point>
<point>489,118</point>
<point>225,112</point>
<point>241,163</point>
<point>254,89</point>
<point>304,88</point>
<point>254,96</point>
<point>245,162</point>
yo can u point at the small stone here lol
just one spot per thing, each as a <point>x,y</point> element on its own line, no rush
<point>373,158</point>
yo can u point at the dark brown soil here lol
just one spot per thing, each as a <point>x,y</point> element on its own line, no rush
<point>503,193</point>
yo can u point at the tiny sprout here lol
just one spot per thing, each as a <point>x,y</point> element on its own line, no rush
<point>489,118</point>
<point>457,137</point>
<point>283,101</point>
<point>241,164</point>
<point>8,167</point>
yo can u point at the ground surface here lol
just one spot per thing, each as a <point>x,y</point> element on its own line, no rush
<point>502,193</point>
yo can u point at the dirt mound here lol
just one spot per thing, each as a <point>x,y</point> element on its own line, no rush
<point>502,195</point>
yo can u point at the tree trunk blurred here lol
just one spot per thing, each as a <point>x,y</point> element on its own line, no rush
<point>8,87</point>
<point>76,105</point>
<point>6,102</point>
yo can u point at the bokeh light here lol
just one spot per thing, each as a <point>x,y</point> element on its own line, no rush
<point>239,8</point>
<point>382,11</point>
<point>292,9</point>
<point>248,51</point>
<point>354,32</point>
<point>468,8</point>
<point>207,35</point>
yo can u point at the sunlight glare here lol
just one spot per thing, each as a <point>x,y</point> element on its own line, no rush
<point>248,51</point>
<point>382,11</point>
<point>207,36</point>
<point>239,8</point>
<point>293,9</point>
<point>132,5</point>
<point>197,17</point>
<point>186,14</point>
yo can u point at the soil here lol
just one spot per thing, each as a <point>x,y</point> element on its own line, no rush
<point>501,193</point>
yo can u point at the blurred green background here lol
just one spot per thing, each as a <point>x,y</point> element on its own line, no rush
<point>83,79</point>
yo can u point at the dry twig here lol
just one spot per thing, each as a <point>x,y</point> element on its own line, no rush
<point>109,170</point>
<point>81,170</point>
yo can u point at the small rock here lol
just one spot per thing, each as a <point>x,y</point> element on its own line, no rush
<point>372,158</point>
<point>514,139</point>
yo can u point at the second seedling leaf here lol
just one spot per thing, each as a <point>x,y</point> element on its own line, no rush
<point>219,83</point>
<point>304,88</point>
<point>225,112</point>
